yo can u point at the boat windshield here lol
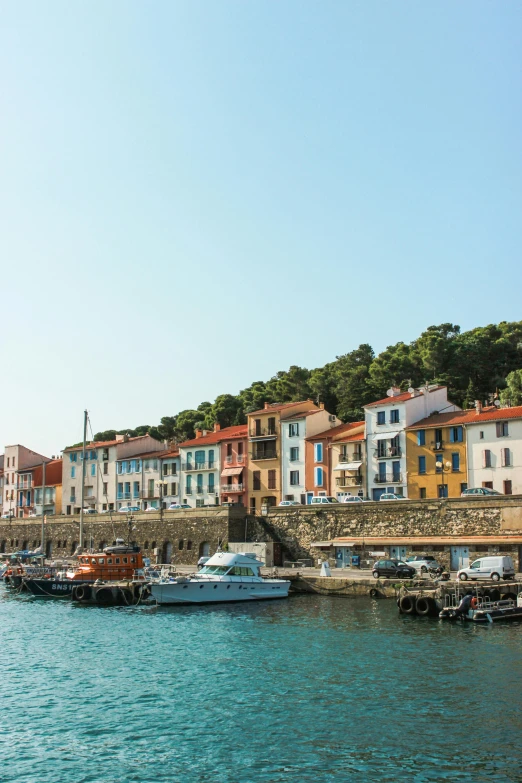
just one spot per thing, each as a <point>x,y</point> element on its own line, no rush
<point>219,570</point>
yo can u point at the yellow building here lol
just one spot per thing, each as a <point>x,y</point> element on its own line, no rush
<point>264,452</point>
<point>436,456</point>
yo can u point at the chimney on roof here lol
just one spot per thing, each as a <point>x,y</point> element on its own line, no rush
<point>394,391</point>
<point>120,438</point>
<point>126,437</point>
<point>199,433</point>
<point>267,405</point>
<point>321,405</point>
<point>217,426</point>
<point>478,406</point>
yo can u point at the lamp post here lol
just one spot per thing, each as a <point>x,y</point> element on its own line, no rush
<point>443,467</point>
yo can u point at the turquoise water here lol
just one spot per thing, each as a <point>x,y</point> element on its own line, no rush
<point>310,689</point>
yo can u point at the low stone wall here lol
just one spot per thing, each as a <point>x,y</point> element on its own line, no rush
<point>298,527</point>
<point>180,536</point>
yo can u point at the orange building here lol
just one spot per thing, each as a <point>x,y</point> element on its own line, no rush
<point>264,451</point>
<point>323,453</point>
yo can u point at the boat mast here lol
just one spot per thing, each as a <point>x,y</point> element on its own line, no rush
<point>43,508</point>
<point>83,475</point>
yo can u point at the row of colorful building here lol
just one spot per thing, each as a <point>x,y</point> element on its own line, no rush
<point>416,444</point>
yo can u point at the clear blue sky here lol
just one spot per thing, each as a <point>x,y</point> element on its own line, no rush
<point>194,195</point>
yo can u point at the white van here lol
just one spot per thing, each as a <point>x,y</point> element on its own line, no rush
<point>493,568</point>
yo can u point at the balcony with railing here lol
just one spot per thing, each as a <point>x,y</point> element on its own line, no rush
<point>122,496</point>
<point>395,478</point>
<point>262,432</point>
<point>354,456</point>
<point>198,466</point>
<point>349,481</point>
<point>230,488</point>
<point>263,454</point>
<point>149,494</point>
<point>437,445</point>
<point>392,452</point>
<point>27,484</point>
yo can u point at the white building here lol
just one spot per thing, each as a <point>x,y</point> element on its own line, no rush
<point>101,477</point>
<point>18,496</point>
<point>386,421</point>
<point>494,449</point>
<point>294,431</point>
<point>170,477</point>
<point>200,469</point>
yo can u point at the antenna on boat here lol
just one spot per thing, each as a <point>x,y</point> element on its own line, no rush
<point>85,415</point>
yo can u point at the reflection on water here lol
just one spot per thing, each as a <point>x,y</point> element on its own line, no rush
<point>310,689</point>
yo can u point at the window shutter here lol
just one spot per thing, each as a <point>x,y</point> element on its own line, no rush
<point>499,429</point>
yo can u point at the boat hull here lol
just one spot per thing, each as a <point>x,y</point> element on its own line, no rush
<point>172,593</point>
<point>493,615</point>
<point>53,588</point>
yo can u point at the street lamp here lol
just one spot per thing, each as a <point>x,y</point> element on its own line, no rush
<point>443,467</point>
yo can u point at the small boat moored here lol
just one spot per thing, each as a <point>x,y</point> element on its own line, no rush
<point>225,577</point>
<point>478,609</point>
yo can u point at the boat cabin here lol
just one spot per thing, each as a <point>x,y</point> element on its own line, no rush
<point>231,564</point>
<point>107,565</point>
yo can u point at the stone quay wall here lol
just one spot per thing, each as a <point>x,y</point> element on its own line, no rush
<point>181,536</point>
<point>298,527</point>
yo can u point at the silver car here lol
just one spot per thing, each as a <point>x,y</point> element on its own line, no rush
<point>423,563</point>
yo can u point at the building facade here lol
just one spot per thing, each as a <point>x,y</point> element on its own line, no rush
<point>101,478</point>
<point>294,431</point>
<point>348,461</point>
<point>386,421</point>
<point>322,451</point>
<point>494,449</point>
<point>234,475</point>
<point>48,488</point>
<point>202,466</point>
<point>170,477</point>
<point>264,452</point>
<point>19,461</point>
<point>436,456</point>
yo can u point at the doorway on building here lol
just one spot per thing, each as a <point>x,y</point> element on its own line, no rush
<point>459,557</point>
<point>398,552</point>
<point>167,552</point>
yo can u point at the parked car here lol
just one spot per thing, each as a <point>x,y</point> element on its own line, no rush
<point>151,508</point>
<point>354,499</point>
<point>323,499</point>
<point>128,509</point>
<point>391,496</point>
<point>393,568</point>
<point>423,563</point>
<point>89,511</point>
<point>493,568</point>
<point>290,503</point>
<point>479,491</point>
<point>178,505</point>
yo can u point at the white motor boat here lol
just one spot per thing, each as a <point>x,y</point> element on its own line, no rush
<point>226,576</point>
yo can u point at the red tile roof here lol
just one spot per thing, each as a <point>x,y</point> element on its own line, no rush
<point>278,407</point>
<point>53,473</point>
<point>339,430</point>
<point>238,431</point>
<point>358,436</point>
<point>403,397</point>
<point>491,413</point>
<point>97,444</point>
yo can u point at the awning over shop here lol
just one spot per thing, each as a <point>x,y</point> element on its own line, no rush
<point>231,471</point>
<point>385,435</point>
<point>348,466</point>
<point>321,544</point>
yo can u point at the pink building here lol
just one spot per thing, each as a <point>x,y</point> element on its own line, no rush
<point>233,446</point>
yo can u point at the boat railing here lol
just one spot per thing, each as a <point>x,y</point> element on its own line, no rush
<point>154,573</point>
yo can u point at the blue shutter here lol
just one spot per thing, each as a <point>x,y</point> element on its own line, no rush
<point>452,434</point>
<point>421,437</point>
<point>422,464</point>
<point>455,461</point>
